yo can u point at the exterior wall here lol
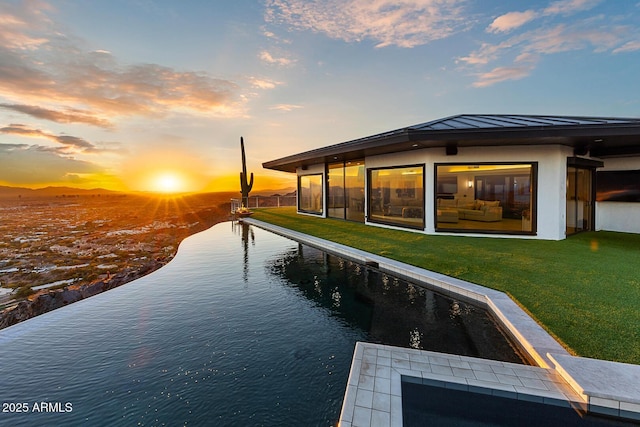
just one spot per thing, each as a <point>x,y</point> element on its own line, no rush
<point>314,170</point>
<point>619,216</point>
<point>551,186</point>
<point>550,191</point>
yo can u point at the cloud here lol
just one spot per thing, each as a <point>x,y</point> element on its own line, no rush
<point>523,66</point>
<point>34,165</point>
<point>270,59</point>
<point>630,46</point>
<point>68,116</point>
<point>19,25</point>
<point>485,54</point>
<point>261,83</point>
<point>69,143</point>
<point>566,7</point>
<point>386,22</point>
<point>40,65</point>
<point>285,107</point>
<point>553,35</point>
<point>510,21</point>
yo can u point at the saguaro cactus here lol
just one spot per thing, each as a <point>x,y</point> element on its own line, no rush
<point>245,187</point>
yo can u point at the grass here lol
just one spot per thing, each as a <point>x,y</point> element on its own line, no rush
<point>584,290</point>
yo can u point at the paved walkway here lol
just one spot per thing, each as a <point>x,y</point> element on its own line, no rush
<point>602,387</point>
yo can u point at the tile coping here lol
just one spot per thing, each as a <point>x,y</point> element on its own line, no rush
<point>605,387</point>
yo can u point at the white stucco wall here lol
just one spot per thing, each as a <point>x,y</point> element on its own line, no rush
<point>619,216</point>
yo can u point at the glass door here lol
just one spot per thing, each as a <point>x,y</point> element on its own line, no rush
<point>579,199</point>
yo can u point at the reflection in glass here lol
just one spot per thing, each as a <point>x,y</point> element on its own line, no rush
<point>485,197</point>
<point>335,191</point>
<point>310,193</point>
<point>579,199</point>
<point>396,196</point>
<point>345,198</point>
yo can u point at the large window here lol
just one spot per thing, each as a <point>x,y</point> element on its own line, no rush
<point>618,186</point>
<point>345,190</point>
<point>310,193</point>
<point>485,197</point>
<point>396,196</point>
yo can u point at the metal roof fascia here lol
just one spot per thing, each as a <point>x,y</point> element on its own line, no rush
<point>567,131</point>
<point>320,155</point>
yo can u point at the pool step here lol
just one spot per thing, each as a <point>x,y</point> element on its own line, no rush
<point>374,387</point>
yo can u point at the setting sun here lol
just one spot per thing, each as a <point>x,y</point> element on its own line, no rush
<point>168,182</point>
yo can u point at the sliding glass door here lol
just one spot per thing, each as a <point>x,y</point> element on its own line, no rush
<point>579,199</point>
<point>345,190</point>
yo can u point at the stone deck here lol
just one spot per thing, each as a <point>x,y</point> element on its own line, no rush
<point>374,394</point>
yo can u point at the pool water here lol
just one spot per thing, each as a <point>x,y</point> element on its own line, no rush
<point>243,327</point>
<point>445,407</point>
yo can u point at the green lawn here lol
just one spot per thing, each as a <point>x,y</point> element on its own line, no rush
<point>584,290</point>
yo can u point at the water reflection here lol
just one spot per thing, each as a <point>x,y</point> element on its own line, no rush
<point>390,310</point>
<point>247,234</point>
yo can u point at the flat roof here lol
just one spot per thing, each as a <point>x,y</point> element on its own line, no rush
<point>600,136</point>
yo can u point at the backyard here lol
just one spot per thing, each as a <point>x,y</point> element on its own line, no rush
<point>584,290</point>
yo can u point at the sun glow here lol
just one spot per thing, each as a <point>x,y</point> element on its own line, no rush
<point>168,182</point>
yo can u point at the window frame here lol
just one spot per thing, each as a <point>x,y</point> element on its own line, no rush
<point>370,192</point>
<point>310,211</point>
<point>533,211</point>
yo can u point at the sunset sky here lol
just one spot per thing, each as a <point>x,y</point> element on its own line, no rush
<point>155,94</point>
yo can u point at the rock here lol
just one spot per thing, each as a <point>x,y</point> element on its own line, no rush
<point>47,300</point>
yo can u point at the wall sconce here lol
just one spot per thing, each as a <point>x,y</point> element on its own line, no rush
<point>470,183</point>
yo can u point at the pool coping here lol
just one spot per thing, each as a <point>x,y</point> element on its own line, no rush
<point>604,387</point>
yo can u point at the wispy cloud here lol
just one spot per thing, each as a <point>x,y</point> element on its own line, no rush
<point>70,144</point>
<point>270,59</point>
<point>262,83</point>
<point>521,69</point>
<point>387,23</point>
<point>517,55</point>
<point>67,116</point>
<point>285,107</point>
<point>41,66</point>
<point>34,164</point>
<point>512,20</point>
<point>567,7</point>
<point>628,47</point>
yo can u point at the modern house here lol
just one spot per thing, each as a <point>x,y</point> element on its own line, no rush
<point>541,177</point>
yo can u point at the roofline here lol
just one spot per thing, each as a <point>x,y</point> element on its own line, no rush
<point>405,139</point>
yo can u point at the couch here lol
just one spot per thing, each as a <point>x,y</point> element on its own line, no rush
<point>474,210</point>
<point>405,210</point>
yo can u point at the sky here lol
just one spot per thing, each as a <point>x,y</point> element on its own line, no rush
<point>154,95</point>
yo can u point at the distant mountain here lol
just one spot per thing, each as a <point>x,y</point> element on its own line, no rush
<point>15,192</point>
<point>281,192</point>
<point>6,191</point>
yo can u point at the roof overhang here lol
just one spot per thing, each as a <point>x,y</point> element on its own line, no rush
<point>597,136</point>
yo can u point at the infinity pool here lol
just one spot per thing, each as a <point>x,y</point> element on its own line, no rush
<point>243,327</point>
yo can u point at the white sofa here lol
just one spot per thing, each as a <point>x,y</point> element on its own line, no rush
<point>474,210</point>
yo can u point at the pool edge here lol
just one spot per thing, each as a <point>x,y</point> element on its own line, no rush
<point>543,349</point>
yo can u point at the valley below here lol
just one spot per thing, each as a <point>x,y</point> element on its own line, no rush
<point>56,249</point>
